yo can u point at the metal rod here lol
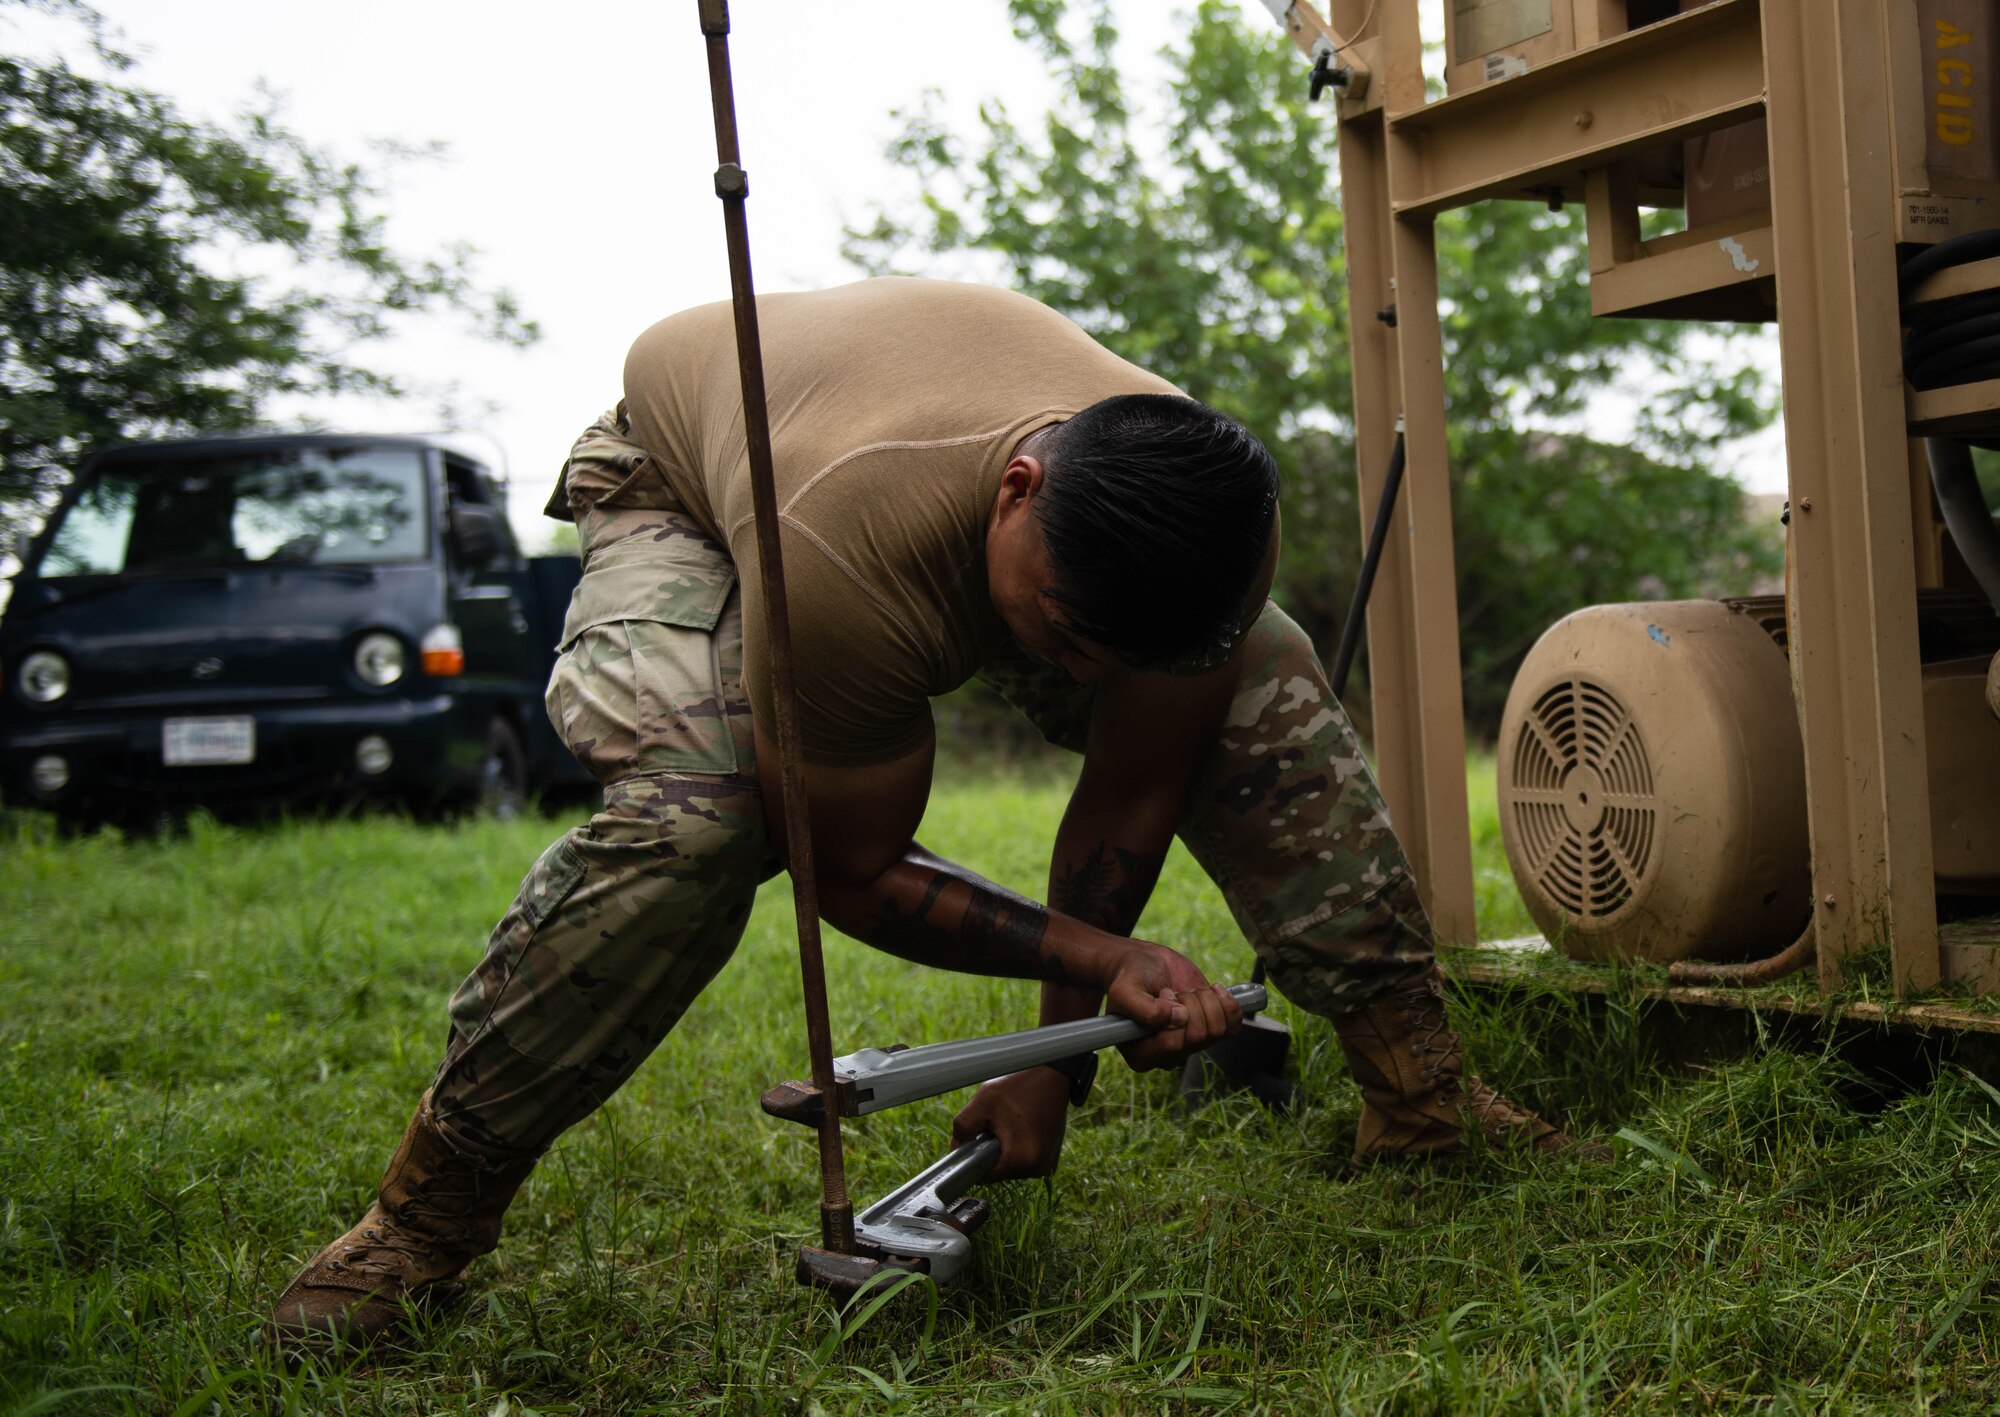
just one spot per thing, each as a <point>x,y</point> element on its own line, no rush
<point>1378,537</point>
<point>732,186</point>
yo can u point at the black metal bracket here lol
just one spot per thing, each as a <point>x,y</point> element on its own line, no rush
<point>1327,75</point>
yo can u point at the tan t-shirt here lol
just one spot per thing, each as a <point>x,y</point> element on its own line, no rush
<point>895,405</point>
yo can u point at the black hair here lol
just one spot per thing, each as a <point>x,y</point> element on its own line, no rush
<point>1157,512</point>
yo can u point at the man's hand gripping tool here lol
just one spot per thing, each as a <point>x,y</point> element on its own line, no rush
<point>925,1225</point>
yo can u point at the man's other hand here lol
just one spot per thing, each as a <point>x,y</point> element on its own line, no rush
<point>1027,1111</point>
<point>1154,986</point>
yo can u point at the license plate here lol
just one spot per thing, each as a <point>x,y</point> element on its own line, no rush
<point>200,742</point>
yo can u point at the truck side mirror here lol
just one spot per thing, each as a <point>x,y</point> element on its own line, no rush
<point>475,534</point>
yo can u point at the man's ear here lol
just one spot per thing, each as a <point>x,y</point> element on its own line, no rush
<point>1021,478</point>
<point>1020,483</point>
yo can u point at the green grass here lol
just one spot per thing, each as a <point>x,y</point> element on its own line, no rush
<point>209,1045</point>
<point>1502,916</point>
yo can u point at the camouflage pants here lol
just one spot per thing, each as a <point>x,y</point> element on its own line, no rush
<point>620,924</point>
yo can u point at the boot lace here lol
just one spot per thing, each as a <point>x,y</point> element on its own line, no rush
<point>389,1250</point>
<point>1487,1105</point>
<point>426,1224</point>
<point>1422,1006</point>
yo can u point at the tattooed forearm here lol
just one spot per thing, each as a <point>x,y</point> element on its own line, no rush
<point>1013,929</point>
<point>1108,888</point>
<point>959,921</point>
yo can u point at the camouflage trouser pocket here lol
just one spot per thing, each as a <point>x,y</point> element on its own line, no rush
<point>605,468</point>
<point>549,882</point>
<point>642,686</point>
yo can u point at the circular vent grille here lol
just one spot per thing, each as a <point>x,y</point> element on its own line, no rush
<point>1583,799</point>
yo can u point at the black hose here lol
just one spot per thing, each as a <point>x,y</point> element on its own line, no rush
<point>1966,515</point>
<point>1973,246</point>
<point>1378,535</point>
<point>1952,342</point>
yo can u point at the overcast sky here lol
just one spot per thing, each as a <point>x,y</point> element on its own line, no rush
<point>581,156</point>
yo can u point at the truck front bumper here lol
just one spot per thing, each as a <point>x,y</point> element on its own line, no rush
<point>115,762</point>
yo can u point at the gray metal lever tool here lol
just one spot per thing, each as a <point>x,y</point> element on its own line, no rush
<point>876,1079</point>
<point>924,1226</point>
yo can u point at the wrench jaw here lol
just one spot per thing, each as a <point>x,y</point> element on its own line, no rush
<point>923,1226</point>
<point>942,1250</point>
<point>850,1276</point>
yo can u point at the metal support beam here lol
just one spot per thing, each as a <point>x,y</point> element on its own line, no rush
<point>1413,673</point>
<point>1543,129</point>
<point>1431,569</point>
<point>1413,617</point>
<point>1690,279</point>
<point>1853,616</point>
<point>1372,306</point>
<point>1957,411</point>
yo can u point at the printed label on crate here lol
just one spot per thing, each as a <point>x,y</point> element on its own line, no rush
<point>1482,26</point>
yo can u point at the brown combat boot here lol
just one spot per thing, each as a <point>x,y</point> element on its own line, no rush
<point>1415,1099</point>
<point>436,1210</point>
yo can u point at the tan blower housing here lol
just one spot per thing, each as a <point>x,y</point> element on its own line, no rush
<point>1652,777</point>
<point>1652,785</point>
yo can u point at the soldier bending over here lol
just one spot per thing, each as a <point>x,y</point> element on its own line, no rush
<point>970,487</point>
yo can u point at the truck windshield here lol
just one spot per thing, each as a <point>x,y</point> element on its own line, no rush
<point>296,506</point>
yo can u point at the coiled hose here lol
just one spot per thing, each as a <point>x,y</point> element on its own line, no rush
<point>1950,342</point>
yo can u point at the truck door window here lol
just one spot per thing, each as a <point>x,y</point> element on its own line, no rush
<point>466,487</point>
<point>94,532</point>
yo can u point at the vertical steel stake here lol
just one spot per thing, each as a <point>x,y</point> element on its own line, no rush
<point>731,185</point>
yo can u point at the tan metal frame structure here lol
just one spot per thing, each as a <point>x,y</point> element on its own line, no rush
<point>1820,72</point>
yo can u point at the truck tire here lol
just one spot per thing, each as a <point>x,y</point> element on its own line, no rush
<point>503,784</point>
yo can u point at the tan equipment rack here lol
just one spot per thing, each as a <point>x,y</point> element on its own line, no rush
<point>1592,96</point>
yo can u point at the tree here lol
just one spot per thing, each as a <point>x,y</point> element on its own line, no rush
<point>162,275</point>
<point>1219,264</point>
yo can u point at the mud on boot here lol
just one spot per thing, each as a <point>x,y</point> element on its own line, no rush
<point>1415,1097</point>
<point>438,1208</point>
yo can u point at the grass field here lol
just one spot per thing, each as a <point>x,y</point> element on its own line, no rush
<point>209,1044</point>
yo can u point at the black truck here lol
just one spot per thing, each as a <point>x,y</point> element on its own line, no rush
<point>255,620</point>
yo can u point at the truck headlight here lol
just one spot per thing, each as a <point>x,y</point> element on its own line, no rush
<point>379,659</point>
<point>43,677</point>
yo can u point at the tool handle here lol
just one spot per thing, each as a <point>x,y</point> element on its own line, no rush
<point>877,1079</point>
<point>933,1191</point>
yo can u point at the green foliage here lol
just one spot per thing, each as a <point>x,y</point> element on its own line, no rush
<point>164,275</point>
<point>1208,248</point>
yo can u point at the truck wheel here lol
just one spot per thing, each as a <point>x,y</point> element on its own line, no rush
<point>503,784</point>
